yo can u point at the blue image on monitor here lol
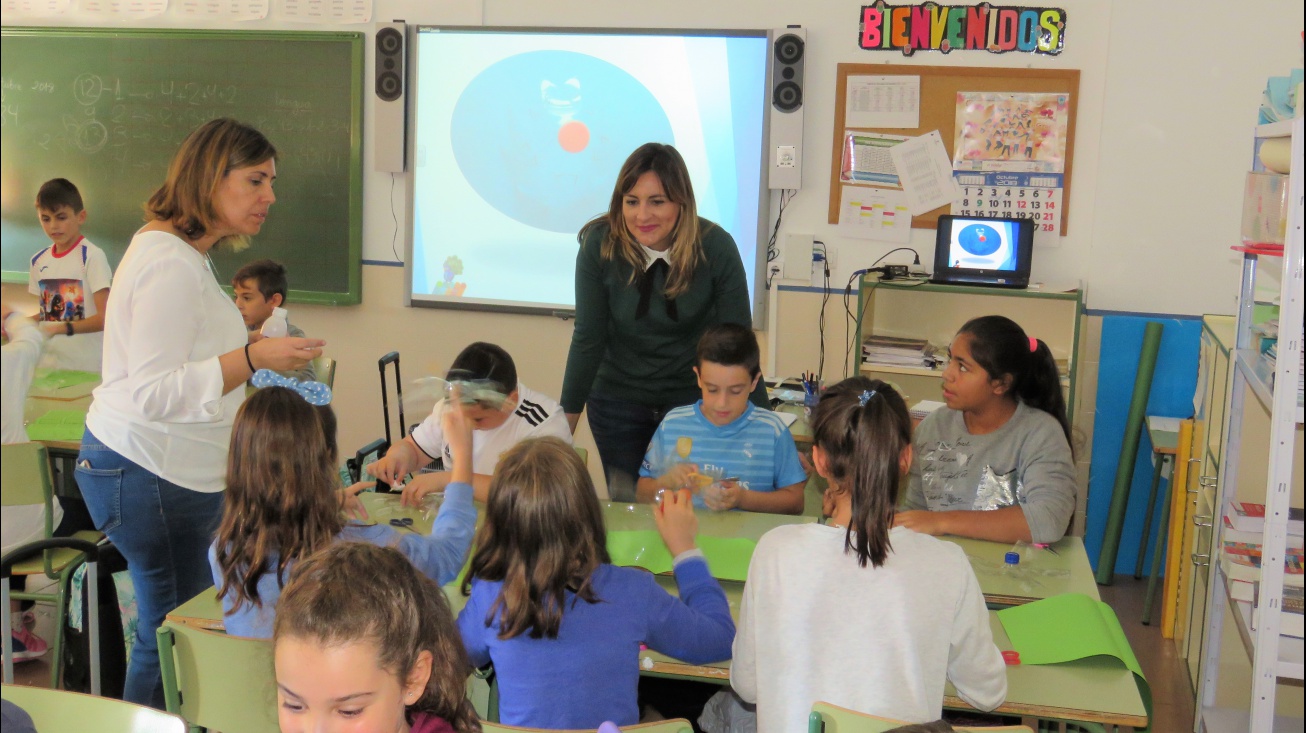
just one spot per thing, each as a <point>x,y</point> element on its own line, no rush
<point>983,245</point>
<point>541,135</point>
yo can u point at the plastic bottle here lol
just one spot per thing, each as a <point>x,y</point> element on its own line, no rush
<point>1011,564</point>
<point>276,325</point>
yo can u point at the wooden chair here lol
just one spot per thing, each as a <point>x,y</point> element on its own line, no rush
<point>827,718</point>
<point>217,681</point>
<point>675,725</point>
<point>325,369</point>
<point>25,480</point>
<point>57,710</point>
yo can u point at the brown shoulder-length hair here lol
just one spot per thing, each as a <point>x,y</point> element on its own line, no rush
<point>543,536</point>
<point>862,426</point>
<point>354,592</point>
<point>686,238</point>
<point>208,154</point>
<point>280,505</point>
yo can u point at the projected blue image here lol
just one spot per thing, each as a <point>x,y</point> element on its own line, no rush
<point>983,246</point>
<point>518,137</point>
<point>541,135</point>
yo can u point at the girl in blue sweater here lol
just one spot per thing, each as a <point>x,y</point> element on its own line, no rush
<point>546,604</point>
<point>282,505</point>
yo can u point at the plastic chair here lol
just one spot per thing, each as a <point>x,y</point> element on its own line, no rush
<point>324,367</point>
<point>25,480</point>
<point>675,725</point>
<point>827,718</point>
<point>584,455</point>
<point>217,681</point>
<point>55,710</point>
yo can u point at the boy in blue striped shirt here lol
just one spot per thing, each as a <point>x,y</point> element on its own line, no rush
<point>725,436</point>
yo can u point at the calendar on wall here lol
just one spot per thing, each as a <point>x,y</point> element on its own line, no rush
<point>1034,196</point>
<point>1009,157</point>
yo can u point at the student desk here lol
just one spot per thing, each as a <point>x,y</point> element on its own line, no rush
<point>63,453</point>
<point>1087,690</point>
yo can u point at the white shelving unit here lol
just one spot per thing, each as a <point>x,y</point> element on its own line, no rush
<point>1274,658</point>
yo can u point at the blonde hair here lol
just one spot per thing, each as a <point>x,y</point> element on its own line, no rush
<point>543,536</point>
<point>205,157</point>
<point>686,250</point>
<point>357,592</point>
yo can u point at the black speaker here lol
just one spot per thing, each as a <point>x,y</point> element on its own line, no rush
<point>787,81</point>
<point>390,120</point>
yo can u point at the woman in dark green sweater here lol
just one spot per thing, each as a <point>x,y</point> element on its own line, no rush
<point>651,276</point>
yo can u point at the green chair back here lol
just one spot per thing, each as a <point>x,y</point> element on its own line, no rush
<point>25,475</point>
<point>827,718</point>
<point>324,368</point>
<point>675,725</point>
<point>56,710</point>
<point>584,455</point>
<point>217,681</point>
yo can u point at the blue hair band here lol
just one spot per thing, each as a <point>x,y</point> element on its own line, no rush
<point>865,397</point>
<point>314,393</point>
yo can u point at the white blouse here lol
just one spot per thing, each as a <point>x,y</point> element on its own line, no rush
<point>161,403</point>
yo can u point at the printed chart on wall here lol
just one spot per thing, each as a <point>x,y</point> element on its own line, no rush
<point>1009,158</point>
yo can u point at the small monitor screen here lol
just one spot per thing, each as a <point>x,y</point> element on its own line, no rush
<point>983,244</point>
<point>972,250</point>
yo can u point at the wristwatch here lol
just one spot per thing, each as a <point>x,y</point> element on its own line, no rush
<point>68,327</point>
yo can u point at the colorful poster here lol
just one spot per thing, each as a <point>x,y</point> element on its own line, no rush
<point>1009,158</point>
<point>866,158</point>
<point>1013,133</point>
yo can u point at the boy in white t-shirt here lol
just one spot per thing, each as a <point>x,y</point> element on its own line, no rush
<point>71,279</point>
<point>503,413</point>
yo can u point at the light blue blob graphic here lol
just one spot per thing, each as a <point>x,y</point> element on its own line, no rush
<point>505,135</point>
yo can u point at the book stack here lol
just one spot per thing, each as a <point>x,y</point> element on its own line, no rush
<point>1240,556</point>
<point>900,352</point>
<point>1290,611</point>
<point>922,409</point>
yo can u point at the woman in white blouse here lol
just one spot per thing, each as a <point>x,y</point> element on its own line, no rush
<point>176,357</point>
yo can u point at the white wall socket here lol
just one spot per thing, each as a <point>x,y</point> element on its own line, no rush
<point>797,253</point>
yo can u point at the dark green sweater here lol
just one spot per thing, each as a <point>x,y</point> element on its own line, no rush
<point>649,361</point>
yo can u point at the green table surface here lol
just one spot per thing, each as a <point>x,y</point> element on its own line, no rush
<point>1095,690</point>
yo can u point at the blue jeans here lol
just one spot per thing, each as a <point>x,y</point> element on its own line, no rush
<point>622,431</point>
<point>164,531</point>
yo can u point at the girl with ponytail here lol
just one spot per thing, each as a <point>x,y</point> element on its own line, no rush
<point>996,463</point>
<point>856,611</point>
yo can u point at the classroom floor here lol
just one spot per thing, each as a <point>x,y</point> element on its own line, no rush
<point>1166,671</point>
<point>1172,696</point>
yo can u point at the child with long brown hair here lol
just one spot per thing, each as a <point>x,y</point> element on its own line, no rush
<point>364,642</point>
<point>857,612</point>
<point>282,505</point>
<point>546,604</point>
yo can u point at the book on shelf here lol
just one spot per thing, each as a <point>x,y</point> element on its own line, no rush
<point>1290,611</point>
<point>1246,516</point>
<point>1241,562</point>
<point>899,351</point>
<point>1229,534</point>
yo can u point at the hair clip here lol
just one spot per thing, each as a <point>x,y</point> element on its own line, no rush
<point>865,397</point>
<point>314,393</point>
<point>1033,344</point>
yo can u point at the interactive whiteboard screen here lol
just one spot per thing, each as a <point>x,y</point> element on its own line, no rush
<point>518,136</point>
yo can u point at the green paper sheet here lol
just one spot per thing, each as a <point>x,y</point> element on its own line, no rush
<point>61,425</point>
<point>1065,628</point>
<point>727,557</point>
<point>58,379</point>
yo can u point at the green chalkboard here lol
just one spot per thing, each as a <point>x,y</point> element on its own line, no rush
<point>107,108</point>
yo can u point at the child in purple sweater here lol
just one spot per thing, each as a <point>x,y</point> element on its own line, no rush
<point>546,604</point>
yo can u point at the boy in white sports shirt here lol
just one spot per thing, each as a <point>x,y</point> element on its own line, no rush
<point>503,412</point>
<point>71,279</point>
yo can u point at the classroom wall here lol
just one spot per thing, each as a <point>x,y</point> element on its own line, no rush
<point>1208,66</point>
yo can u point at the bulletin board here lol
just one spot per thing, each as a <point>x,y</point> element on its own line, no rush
<point>939,87</point>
